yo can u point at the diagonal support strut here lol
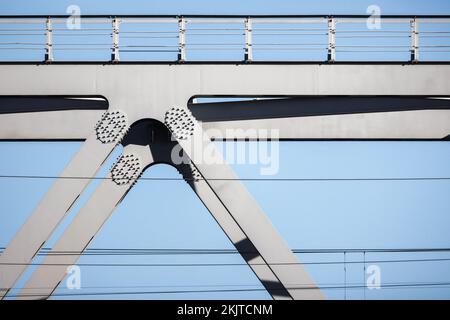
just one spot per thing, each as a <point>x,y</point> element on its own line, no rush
<point>58,201</point>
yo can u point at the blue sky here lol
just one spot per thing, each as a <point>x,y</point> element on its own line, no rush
<point>225,7</point>
<point>311,215</point>
<point>235,7</point>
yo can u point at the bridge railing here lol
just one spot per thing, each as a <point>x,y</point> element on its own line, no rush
<point>225,38</point>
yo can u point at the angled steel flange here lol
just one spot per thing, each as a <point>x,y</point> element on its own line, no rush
<point>259,233</point>
<point>59,199</point>
<point>91,217</point>
<point>234,232</point>
<point>87,223</point>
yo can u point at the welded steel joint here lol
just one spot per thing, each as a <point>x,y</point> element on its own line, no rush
<point>112,127</point>
<point>126,170</point>
<point>180,122</point>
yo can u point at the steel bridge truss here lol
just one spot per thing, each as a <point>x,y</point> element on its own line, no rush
<point>153,108</point>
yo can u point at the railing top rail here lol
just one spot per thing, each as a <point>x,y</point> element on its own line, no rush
<point>227,16</point>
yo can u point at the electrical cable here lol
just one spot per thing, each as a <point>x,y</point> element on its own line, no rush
<point>3,176</point>
<point>411,285</point>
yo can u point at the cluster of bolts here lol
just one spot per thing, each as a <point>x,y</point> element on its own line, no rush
<point>180,122</point>
<point>127,169</point>
<point>112,127</point>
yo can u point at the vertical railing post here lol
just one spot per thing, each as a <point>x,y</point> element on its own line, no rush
<point>248,40</point>
<point>115,40</point>
<point>331,40</point>
<point>414,40</point>
<point>49,43</point>
<point>181,40</point>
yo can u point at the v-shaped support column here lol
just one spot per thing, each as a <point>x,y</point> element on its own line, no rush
<point>254,236</point>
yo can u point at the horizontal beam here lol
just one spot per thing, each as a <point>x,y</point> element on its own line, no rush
<point>401,125</point>
<point>224,16</point>
<point>377,118</point>
<point>258,108</point>
<point>51,125</point>
<point>76,125</point>
<point>228,62</point>
<point>175,85</point>
<point>19,104</point>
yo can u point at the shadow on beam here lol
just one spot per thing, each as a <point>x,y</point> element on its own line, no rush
<point>310,106</point>
<point>17,104</point>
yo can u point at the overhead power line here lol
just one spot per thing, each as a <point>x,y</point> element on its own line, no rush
<point>209,285</point>
<point>394,285</point>
<point>200,251</point>
<point>227,179</point>
<point>221,264</point>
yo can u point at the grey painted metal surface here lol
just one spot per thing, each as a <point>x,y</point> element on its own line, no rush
<point>81,231</point>
<point>147,91</point>
<point>292,118</point>
<point>50,211</point>
<point>150,90</point>
<point>72,125</point>
<point>162,92</point>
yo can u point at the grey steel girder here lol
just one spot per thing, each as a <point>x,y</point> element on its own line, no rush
<point>246,119</point>
<point>150,91</point>
<point>65,125</point>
